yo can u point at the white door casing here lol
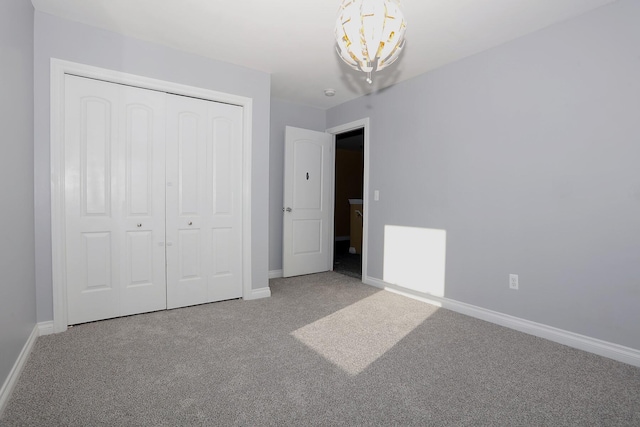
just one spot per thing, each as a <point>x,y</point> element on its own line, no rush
<point>204,204</point>
<point>307,226</point>
<point>114,200</point>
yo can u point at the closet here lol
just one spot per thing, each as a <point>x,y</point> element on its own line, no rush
<point>152,200</point>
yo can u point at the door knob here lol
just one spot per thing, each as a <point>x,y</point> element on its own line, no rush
<point>288,209</point>
<point>190,223</point>
<point>139,225</point>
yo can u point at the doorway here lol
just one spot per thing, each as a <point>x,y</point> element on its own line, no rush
<point>323,226</point>
<point>348,202</point>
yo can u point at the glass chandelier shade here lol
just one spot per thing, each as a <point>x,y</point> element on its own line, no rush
<point>370,34</point>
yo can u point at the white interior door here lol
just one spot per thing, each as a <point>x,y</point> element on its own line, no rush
<point>204,201</point>
<point>307,209</point>
<point>114,200</point>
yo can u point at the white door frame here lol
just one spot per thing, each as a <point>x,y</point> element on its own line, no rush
<point>358,124</point>
<point>58,70</point>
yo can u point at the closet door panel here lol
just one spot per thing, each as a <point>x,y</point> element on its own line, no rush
<point>204,211</point>
<point>114,209</point>
<point>142,165</point>
<point>91,182</point>
<point>186,167</point>
<point>153,200</point>
<point>224,204</point>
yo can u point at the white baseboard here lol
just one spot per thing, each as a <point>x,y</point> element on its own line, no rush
<point>14,374</point>
<point>581,342</point>
<point>259,293</point>
<point>275,274</point>
<point>45,328</point>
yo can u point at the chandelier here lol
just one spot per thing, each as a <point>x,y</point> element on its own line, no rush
<point>370,34</point>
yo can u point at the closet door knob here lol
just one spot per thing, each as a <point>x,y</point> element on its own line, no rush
<point>139,225</point>
<point>190,223</point>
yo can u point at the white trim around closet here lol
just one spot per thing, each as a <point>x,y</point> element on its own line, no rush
<point>58,70</point>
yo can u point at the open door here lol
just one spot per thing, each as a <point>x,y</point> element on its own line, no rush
<point>307,227</point>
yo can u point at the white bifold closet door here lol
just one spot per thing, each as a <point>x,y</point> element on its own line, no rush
<point>114,200</point>
<point>152,200</point>
<point>204,204</point>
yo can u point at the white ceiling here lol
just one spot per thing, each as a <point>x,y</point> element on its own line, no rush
<point>293,39</point>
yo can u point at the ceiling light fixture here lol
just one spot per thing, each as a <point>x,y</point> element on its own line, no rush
<point>329,92</point>
<point>370,34</point>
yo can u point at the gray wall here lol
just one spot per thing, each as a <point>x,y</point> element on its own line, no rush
<point>63,39</point>
<point>284,114</point>
<point>17,270</point>
<point>528,155</point>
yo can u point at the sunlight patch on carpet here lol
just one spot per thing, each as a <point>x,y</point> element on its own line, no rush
<point>358,335</point>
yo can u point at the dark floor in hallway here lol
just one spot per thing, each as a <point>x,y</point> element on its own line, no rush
<point>346,263</point>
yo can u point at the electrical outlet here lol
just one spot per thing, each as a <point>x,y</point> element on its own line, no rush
<point>513,281</point>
